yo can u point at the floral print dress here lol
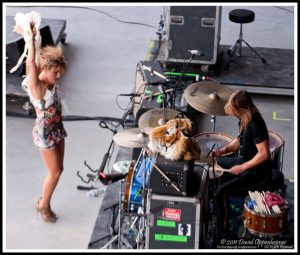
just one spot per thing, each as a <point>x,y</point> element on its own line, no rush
<point>48,130</point>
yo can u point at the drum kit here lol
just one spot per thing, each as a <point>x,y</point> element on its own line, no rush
<point>207,97</point>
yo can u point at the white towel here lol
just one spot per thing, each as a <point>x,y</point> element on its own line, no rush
<point>23,20</point>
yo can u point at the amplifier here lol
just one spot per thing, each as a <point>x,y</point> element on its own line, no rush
<point>173,222</point>
<point>194,28</point>
<point>143,75</point>
<point>180,172</point>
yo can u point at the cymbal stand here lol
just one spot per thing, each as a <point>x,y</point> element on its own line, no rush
<point>212,201</point>
<point>163,93</point>
<point>121,239</point>
<point>213,122</point>
<point>140,238</point>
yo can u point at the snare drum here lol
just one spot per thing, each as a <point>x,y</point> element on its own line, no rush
<point>207,140</point>
<point>137,178</point>
<point>276,145</point>
<point>266,225</point>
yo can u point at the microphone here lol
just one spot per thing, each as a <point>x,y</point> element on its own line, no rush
<point>196,52</point>
<point>130,95</point>
<point>110,178</point>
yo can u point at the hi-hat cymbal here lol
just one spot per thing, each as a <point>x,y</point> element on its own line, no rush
<point>208,97</point>
<point>132,138</point>
<point>155,117</point>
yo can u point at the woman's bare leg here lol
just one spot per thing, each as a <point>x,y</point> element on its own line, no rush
<point>53,160</point>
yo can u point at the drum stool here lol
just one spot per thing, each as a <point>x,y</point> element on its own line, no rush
<point>241,16</point>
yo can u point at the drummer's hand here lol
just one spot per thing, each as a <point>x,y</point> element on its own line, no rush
<point>216,153</point>
<point>236,170</point>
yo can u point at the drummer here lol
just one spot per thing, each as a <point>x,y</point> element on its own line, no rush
<point>252,167</point>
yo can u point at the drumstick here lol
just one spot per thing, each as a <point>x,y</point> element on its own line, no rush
<point>166,177</point>
<point>221,169</point>
<point>255,205</point>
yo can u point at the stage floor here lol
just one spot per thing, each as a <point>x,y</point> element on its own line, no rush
<point>106,226</point>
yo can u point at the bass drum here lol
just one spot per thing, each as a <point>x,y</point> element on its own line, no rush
<point>137,178</point>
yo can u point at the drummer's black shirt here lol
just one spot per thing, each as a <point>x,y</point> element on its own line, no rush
<point>256,132</point>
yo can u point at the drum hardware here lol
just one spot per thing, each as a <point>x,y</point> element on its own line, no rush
<point>163,94</point>
<point>152,117</point>
<point>208,97</point>
<point>213,122</point>
<point>104,178</point>
<point>135,193</point>
<point>132,138</point>
<point>214,181</point>
<point>121,239</point>
<point>158,93</point>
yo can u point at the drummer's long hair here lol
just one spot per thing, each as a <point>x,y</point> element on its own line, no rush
<point>240,104</point>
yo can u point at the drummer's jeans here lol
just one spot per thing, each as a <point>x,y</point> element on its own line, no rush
<point>231,185</point>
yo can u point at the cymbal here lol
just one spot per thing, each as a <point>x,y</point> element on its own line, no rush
<point>132,138</point>
<point>208,97</point>
<point>155,117</point>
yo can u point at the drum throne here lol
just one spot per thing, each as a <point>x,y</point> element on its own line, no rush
<point>241,16</point>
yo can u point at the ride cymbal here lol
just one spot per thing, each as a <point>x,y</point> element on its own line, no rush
<point>155,117</point>
<point>208,97</point>
<point>132,138</point>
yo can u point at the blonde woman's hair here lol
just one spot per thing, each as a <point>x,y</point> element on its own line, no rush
<point>52,57</point>
<point>240,104</point>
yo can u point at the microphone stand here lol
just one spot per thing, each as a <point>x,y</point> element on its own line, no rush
<point>184,69</point>
<point>213,121</point>
<point>163,93</point>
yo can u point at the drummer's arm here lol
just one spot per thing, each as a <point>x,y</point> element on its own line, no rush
<point>263,154</point>
<point>233,146</point>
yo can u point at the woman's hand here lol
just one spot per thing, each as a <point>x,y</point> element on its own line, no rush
<point>32,30</point>
<point>31,33</point>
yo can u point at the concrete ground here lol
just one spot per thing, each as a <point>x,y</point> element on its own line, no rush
<point>102,54</point>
